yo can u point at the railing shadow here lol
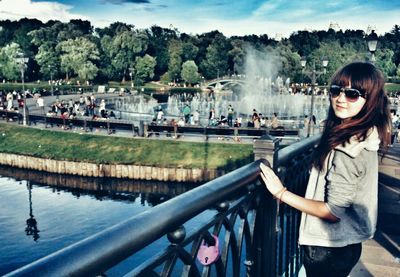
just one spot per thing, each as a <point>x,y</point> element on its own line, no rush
<point>388,229</point>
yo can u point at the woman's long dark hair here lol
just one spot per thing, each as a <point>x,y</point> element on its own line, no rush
<point>375,112</point>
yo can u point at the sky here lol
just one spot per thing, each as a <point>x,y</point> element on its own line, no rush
<point>231,17</point>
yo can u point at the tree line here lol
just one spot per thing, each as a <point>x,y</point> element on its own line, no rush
<point>121,52</point>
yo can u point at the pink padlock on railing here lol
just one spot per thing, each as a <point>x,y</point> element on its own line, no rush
<point>208,253</point>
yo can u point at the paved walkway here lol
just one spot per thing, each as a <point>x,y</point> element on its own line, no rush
<point>381,255</point>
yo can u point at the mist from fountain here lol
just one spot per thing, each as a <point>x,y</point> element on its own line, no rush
<point>262,90</point>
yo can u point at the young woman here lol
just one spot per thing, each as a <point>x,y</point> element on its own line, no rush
<point>340,205</point>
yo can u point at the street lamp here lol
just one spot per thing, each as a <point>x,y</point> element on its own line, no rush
<point>22,61</point>
<point>131,75</point>
<point>372,40</point>
<point>51,79</point>
<point>313,75</point>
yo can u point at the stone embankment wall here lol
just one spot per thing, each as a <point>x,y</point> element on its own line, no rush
<point>110,170</point>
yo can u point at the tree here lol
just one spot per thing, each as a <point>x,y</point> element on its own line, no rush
<point>144,69</point>
<point>175,61</point>
<point>384,61</point>
<point>288,60</point>
<point>237,55</point>
<point>392,41</point>
<point>337,56</point>
<point>158,47</point>
<point>123,49</point>
<point>216,62</point>
<point>189,51</point>
<point>190,72</point>
<point>113,29</point>
<point>10,69</point>
<point>304,42</point>
<point>78,56</point>
<point>48,58</point>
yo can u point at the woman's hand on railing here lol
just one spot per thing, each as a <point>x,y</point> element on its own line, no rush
<point>308,206</point>
<point>272,182</point>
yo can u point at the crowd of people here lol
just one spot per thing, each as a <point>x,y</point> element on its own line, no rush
<point>90,106</point>
<point>13,100</point>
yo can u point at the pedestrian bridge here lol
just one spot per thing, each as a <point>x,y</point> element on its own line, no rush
<point>257,237</point>
<point>224,83</point>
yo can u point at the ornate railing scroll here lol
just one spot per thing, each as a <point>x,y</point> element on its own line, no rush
<point>292,164</point>
<point>244,218</point>
<point>236,197</point>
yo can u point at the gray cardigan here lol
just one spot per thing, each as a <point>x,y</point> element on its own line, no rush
<point>348,185</point>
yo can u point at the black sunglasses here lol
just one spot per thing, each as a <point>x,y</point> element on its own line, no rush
<point>351,94</point>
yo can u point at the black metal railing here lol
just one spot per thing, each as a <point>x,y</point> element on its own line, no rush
<point>257,237</point>
<point>292,165</point>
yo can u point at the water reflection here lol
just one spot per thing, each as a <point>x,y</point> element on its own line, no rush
<point>41,213</point>
<point>149,193</point>
<point>152,192</point>
<point>31,223</point>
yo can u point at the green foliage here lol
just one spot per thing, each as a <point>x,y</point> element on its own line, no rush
<point>237,55</point>
<point>190,72</point>
<point>216,62</point>
<point>189,51</point>
<point>175,61</point>
<point>144,69</point>
<point>336,55</point>
<point>304,42</point>
<point>384,61</point>
<point>158,47</point>
<point>48,58</point>
<point>119,44</point>
<point>78,57</point>
<point>123,49</point>
<point>10,69</point>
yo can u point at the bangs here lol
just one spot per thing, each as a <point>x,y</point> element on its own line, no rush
<point>358,75</point>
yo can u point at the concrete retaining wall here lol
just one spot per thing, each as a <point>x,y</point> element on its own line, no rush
<point>110,170</point>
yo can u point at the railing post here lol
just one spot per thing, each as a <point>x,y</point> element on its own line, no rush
<point>264,148</point>
<point>142,127</point>
<point>265,232</point>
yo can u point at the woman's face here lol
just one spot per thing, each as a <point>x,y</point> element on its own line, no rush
<point>345,109</point>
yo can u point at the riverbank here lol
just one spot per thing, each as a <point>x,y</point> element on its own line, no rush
<point>83,154</point>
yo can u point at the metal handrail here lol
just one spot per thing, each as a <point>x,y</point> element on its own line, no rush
<point>101,251</point>
<point>271,232</point>
<point>289,152</point>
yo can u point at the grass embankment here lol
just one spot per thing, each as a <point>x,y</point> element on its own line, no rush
<point>63,145</point>
<point>392,87</point>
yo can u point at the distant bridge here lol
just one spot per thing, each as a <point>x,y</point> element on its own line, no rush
<point>224,83</point>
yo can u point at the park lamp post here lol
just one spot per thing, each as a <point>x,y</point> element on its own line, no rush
<point>313,74</point>
<point>22,61</point>
<point>372,41</point>
<point>131,69</point>
<point>51,79</point>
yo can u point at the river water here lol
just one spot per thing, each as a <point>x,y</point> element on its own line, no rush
<point>41,213</point>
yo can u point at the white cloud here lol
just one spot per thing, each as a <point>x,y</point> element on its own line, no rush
<point>44,11</point>
<point>267,8</point>
<point>276,16</point>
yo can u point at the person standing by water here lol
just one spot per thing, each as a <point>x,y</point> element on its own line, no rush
<point>231,112</point>
<point>40,104</point>
<point>255,118</point>
<point>340,205</point>
<point>275,121</point>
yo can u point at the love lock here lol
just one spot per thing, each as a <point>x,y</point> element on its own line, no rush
<point>208,254</point>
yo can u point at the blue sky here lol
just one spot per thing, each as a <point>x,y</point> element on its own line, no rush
<point>232,17</point>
